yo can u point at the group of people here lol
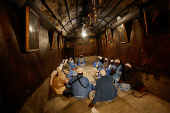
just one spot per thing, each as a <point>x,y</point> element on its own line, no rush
<point>64,73</point>
<point>61,76</point>
<point>123,75</point>
<point>69,75</point>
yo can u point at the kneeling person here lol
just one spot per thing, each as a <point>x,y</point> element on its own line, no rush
<point>71,64</point>
<point>129,79</point>
<point>80,85</point>
<point>81,61</point>
<point>105,90</point>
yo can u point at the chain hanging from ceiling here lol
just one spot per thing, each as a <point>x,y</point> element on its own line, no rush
<point>92,12</point>
<point>92,15</point>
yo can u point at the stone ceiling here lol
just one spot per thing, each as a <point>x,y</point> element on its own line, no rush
<point>67,15</point>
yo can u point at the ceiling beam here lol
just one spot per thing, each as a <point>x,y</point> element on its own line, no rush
<point>69,21</point>
<point>43,1</point>
<point>105,7</point>
<point>76,7</point>
<point>130,16</point>
<point>68,12</point>
<point>118,14</point>
<point>78,18</point>
<point>108,13</point>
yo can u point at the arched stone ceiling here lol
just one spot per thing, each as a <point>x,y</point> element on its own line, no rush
<point>67,15</point>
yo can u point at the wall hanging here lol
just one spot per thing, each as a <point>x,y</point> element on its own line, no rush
<point>32,30</point>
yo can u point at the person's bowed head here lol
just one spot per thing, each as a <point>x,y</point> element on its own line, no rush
<point>102,72</point>
<point>71,60</point>
<point>105,60</point>
<point>127,66</point>
<point>111,63</point>
<point>98,57</point>
<point>81,56</point>
<point>80,71</point>
<point>117,62</point>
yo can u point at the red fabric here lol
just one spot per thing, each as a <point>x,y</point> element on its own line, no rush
<point>140,88</point>
<point>76,68</point>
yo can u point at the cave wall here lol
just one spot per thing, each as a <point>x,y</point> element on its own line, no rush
<point>129,52</point>
<point>86,50</point>
<point>140,48</point>
<point>22,73</point>
<point>149,55</point>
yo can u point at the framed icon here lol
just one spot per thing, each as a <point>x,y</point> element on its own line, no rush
<point>109,36</point>
<point>104,42</point>
<point>115,34</point>
<point>54,40</point>
<point>32,30</point>
<point>79,42</point>
<point>92,41</point>
<point>122,33</point>
<point>60,42</point>
<point>157,17</point>
<point>86,41</point>
<point>63,42</point>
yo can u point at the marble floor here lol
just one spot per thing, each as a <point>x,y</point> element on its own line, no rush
<point>124,103</point>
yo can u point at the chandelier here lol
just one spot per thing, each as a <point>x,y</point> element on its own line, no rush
<point>92,15</point>
<point>92,11</point>
<point>84,30</point>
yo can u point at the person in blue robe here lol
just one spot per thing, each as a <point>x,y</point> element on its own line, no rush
<point>105,64</point>
<point>109,67</point>
<point>81,61</point>
<point>71,64</point>
<point>71,68</point>
<point>99,66</point>
<point>82,87</point>
<point>116,71</point>
<point>105,90</point>
<point>95,62</point>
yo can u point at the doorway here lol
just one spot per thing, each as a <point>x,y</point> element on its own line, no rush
<point>70,53</point>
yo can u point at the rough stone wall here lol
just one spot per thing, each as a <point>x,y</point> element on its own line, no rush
<point>86,50</point>
<point>129,52</point>
<point>156,84</point>
<point>37,101</point>
<point>22,73</point>
<point>89,50</point>
<point>141,48</point>
<point>88,59</point>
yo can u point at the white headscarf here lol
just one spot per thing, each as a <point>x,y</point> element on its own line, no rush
<point>71,60</point>
<point>106,59</point>
<point>127,64</point>
<point>60,67</point>
<point>63,61</point>
<point>117,61</point>
<point>80,70</point>
<point>66,60</point>
<point>111,60</point>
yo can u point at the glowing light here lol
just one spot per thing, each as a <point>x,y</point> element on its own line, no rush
<point>30,28</point>
<point>83,34</point>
